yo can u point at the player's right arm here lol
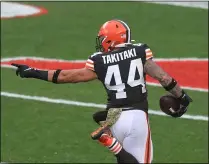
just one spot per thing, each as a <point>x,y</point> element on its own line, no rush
<point>58,76</point>
<point>72,76</point>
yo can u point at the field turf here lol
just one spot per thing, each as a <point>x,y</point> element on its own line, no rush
<point>33,131</point>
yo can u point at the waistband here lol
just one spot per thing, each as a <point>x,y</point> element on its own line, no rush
<point>133,108</point>
<point>128,108</point>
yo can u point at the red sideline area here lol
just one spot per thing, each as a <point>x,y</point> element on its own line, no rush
<point>188,73</point>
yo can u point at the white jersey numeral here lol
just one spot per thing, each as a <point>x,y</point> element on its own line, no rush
<point>136,65</point>
<point>114,71</point>
<point>119,87</point>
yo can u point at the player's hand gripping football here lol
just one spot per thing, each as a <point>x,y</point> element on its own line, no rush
<point>184,103</point>
<point>23,70</point>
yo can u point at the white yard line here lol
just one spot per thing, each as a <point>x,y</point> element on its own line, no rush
<point>185,3</point>
<point>84,104</point>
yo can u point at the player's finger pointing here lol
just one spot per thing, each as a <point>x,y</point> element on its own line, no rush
<point>16,65</point>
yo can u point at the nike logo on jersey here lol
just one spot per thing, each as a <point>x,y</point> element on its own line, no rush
<point>116,57</point>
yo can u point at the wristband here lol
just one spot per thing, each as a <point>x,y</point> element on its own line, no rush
<point>171,85</point>
<point>55,76</point>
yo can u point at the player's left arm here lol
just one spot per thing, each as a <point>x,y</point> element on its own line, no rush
<point>56,76</point>
<point>155,71</point>
<point>170,85</point>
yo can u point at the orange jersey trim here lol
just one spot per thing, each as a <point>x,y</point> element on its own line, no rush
<point>148,54</point>
<point>147,156</point>
<point>89,65</point>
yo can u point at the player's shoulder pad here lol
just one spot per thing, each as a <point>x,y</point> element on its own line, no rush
<point>95,54</point>
<point>92,60</point>
<point>147,51</point>
<point>143,45</point>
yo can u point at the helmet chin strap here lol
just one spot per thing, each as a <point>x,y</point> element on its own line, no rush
<point>122,45</point>
<point>109,49</point>
<point>112,44</point>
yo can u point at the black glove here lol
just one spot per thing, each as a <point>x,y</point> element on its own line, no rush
<point>23,70</point>
<point>184,103</point>
<point>27,72</point>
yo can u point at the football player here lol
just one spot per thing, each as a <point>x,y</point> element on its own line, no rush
<point>121,67</point>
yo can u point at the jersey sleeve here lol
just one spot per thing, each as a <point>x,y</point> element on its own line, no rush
<point>90,64</point>
<point>148,52</point>
<point>91,61</point>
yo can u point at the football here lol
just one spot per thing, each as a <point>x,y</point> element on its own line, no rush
<point>169,104</point>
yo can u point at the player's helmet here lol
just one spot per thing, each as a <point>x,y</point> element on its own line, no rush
<point>112,33</point>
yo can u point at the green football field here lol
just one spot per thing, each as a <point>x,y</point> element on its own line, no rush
<point>46,132</point>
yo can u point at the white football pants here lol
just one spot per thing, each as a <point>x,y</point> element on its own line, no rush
<point>133,132</point>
